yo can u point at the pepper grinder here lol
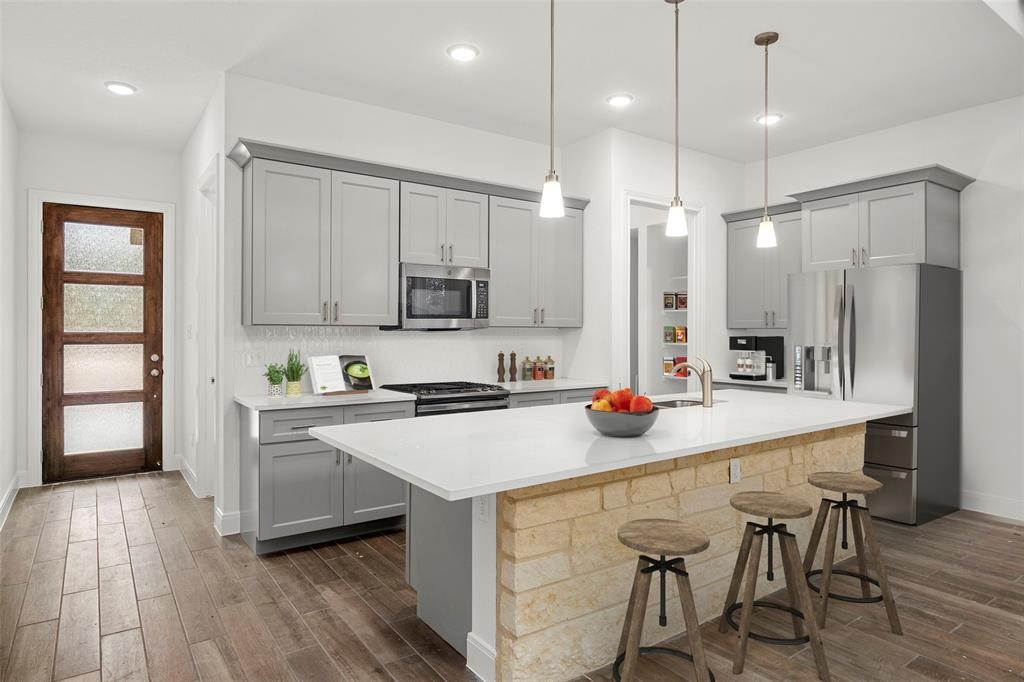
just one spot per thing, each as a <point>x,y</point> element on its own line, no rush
<point>512,366</point>
<point>501,367</point>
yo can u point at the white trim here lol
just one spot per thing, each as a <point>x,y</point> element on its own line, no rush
<point>188,474</point>
<point>997,505</point>
<point>32,465</point>
<point>209,448</point>
<point>480,658</point>
<point>226,524</point>
<point>8,499</point>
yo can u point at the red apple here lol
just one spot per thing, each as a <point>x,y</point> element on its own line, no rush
<point>621,398</point>
<point>640,403</point>
<point>600,394</point>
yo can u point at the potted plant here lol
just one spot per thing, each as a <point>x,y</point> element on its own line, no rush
<point>275,379</point>
<point>293,371</point>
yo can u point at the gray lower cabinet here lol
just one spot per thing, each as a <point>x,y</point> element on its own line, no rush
<point>300,488</point>
<point>541,398</point>
<point>582,395</point>
<point>371,493</point>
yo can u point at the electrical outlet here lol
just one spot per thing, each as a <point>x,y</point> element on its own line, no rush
<point>734,471</point>
<point>254,358</point>
<point>483,508</point>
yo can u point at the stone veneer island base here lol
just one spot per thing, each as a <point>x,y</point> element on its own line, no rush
<point>564,578</point>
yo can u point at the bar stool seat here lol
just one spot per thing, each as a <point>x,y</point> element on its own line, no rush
<point>664,538</point>
<point>865,544</point>
<point>844,482</point>
<point>772,505</point>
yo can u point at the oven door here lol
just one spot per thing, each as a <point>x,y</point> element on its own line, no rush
<point>441,297</point>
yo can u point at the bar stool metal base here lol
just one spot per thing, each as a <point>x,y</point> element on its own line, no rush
<point>654,650</point>
<point>873,599</point>
<point>767,639</point>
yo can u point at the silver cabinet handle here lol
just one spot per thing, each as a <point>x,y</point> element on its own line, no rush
<point>542,316</point>
<point>337,457</point>
<point>773,318</point>
<point>302,426</point>
<point>766,318</point>
<point>348,458</point>
<point>442,252</point>
<point>336,311</point>
<point>863,257</point>
<point>451,253</point>
<point>535,316</point>
<point>853,257</point>
<point>325,311</point>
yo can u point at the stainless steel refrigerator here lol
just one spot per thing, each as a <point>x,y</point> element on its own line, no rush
<point>888,335</point>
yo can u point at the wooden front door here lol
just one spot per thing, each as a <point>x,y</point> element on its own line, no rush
<point>102,341</point>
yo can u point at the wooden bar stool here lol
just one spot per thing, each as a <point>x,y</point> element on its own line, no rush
<point>773,506</point>
<point>864,540</point>
<point>664,538</point>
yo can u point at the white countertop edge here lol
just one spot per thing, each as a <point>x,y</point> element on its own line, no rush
<point>526,481</point>
<point>545,385</point>
<point>778,383</point>
<point>264,403</point>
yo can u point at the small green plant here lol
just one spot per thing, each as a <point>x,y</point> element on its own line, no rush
<point>275,373</point>
<point>294,369</point>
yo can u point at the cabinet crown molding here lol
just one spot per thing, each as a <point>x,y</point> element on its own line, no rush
<point>939,175</point>
<point>245,150</point>
<point>773,210</point>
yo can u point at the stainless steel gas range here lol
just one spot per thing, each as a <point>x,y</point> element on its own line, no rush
<point>450,397</point>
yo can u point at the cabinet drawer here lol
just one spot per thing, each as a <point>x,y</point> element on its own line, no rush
<point>582,395</point>
<point>897,500</point>
<point>378,413</point>
<point>894,446</point>
<point>283,426</point>
<point>534,399</point>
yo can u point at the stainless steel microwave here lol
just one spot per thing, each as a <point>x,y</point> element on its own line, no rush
<point>444,297</point>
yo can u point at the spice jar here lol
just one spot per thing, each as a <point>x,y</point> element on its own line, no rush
<point>538,369</point>
<point>549,369</point>
<point>527,369</point>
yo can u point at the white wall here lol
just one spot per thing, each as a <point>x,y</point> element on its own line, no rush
<point>985,142</point>
<point>83,167</point>
<point>10,301</point>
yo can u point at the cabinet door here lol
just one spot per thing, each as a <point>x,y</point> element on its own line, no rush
<point>534,399</point>
<point>560,269</point>
<point>300,488</point>
<point>830,233</point>
<point>782,261</point>
<point>364,268</point>
<point>423,224</point>
<point>466,221</point>
<point>371,493</point>
<point>746,304</point>
<point>513,292</point>
<point>291,243</point>
<point>892,228</point>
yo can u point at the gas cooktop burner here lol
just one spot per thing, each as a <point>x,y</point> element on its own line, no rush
<point>447,388</point>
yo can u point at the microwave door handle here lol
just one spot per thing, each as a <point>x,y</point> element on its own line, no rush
<point>472,300</point>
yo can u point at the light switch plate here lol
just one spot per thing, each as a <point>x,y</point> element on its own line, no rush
<point>734,471</point>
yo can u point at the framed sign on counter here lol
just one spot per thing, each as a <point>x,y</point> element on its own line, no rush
<point>340,374</point>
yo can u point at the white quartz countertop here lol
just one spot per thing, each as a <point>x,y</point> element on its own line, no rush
<point>550,385</point>
<point>262,403</point>
<point>778,383</point>
<point>464,455</point>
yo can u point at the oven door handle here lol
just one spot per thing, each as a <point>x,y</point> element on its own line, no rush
<point>440,408</point>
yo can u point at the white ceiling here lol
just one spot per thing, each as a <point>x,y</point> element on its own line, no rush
<point>841,68</point>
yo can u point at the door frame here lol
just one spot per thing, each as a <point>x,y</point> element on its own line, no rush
<point>31,464</point>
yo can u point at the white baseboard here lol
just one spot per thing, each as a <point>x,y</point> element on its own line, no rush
<point>8,498</point>
<point>189,475</point>
<point>226,524</point>
<point>480,658</point>
<point>997,505</point>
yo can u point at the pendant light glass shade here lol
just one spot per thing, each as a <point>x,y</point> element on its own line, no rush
<point>766,234</point>
<point>675,226</point>
<point>551,204</point>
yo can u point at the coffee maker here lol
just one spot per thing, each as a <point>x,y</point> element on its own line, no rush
<point>754,355</point>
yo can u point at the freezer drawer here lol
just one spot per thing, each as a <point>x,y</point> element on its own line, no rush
<point>893,446</point>
<point>897,500</point>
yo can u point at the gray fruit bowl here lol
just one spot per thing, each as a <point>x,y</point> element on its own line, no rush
<point>622,424</point>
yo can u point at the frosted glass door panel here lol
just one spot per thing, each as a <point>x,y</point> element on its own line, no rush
<point>94,368</point>
<point>99,428</point>
<point>103,248</point>
<point>102,308</point>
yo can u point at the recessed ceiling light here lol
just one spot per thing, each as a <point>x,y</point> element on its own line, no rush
<point>463,52</point>
<point>619,99</point>
<point>119,88</point>
<point>770,119</point>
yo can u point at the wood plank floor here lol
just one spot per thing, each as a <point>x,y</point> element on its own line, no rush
<point>126,579</point>
<point>959,587</point>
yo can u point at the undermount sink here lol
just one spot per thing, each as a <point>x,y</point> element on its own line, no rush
<point>681,403</point>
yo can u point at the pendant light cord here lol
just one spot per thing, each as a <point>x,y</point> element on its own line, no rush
<point>677,101</point>
<point>551,94</point>
<point>765,124</point>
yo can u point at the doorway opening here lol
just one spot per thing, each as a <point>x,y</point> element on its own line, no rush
<point>102,323</point>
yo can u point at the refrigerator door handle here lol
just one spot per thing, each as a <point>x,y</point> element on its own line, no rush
<point>849,322</point>
<point>851,341</point>
<point>839,377</point>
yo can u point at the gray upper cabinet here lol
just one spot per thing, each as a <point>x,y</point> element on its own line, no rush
<point>300,488</point>
<point>364,244</point>
<point>758,279</point>
<point>913,222</point>
<point>536,266</point>
<point>371,493</point>
<point>289,272</point>
<point>443,226</point>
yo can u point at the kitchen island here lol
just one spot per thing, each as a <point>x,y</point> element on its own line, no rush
<point>549,578</point>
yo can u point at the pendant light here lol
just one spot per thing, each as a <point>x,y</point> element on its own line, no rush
<point>675,226</point>
<point>766,230</point>
<point>551,204</point>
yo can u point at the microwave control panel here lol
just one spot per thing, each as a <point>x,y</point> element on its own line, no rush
<point>481,300</point>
